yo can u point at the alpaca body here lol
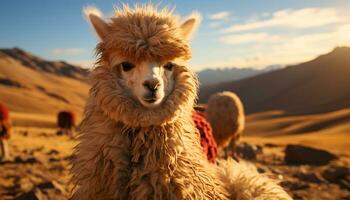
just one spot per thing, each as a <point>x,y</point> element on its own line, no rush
<point>5,131</point>
<point>225,112</point>
<point>117,161</point>
<point>137,139</point>
<point>66,123</point>
<point>157,162</point>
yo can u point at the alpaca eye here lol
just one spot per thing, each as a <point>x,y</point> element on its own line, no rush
<point>126,66</point>
<point>169,66</point>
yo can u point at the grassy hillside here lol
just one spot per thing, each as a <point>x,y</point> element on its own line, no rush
<point>28,89</point>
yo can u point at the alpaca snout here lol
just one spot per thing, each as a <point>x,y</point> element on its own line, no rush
<point>152,97</point>
<point>152,85</point>
<point>152,93</point>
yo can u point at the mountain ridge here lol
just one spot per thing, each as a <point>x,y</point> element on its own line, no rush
<point>211,76</point>
<point>57,67</point>
<point>30,84</point>
<point>318,85</point>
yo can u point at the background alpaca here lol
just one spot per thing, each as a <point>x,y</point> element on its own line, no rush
<point>5,130</point>
<point>225,113</point>
<point>137,138</point>
<point>66,122</point>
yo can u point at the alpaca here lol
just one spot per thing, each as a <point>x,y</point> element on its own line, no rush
<point>5,131</point>
<point>225,112</point>
<point>137,139</point>
<point>66,122</point>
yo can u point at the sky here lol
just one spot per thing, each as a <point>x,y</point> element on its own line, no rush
<point>233,33</point>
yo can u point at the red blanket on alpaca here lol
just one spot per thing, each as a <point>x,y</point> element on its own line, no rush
<point>4,113</point>
<point>5,124</point>
<point>206,136</point>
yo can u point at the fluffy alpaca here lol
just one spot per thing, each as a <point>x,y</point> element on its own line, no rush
<point>66,122</point>
<point>5,131</point>
<point>4,113</point>
<point>141,143</point>
<point>225,113</point>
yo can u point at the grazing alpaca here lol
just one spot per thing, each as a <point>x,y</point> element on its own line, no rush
<point>5,130</point>
<point>66,123</point>
<point>225,113</point>
<point>137,138</point>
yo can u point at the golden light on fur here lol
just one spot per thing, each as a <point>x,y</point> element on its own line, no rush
<point>128,151</point>
<point>94,16</point>
<point>143,33</point>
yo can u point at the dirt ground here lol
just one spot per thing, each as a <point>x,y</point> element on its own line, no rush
<point>39,162</point>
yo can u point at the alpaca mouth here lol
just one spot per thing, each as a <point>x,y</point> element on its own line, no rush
<point>152,100</point>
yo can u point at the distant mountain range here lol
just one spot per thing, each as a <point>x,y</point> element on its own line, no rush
<point>319,85</point>
<point>29,83</point>
<point>219,75</point>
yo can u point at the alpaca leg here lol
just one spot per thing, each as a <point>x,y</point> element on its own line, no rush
<point>65,132</point>
<point>4,153</point>
<point>69,133</point>
<point>230,151</point>
<point>226,154</point>
<point>59,132</point>
<point>72,133</point>
<point>233,150</point>
<point>1,150</point>
<point>244,182</point>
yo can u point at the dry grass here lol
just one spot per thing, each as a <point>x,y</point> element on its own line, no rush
<point>329,131</point>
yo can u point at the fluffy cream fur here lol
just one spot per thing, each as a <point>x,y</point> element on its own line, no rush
<point>129,152</point>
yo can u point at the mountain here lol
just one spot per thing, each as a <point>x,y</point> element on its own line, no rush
<point>319,85</point>
<point>214,76</point>
<point>54,67</point>
<point>30,84</point>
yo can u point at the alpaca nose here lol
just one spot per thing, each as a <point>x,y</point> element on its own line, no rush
<point>151,85</point>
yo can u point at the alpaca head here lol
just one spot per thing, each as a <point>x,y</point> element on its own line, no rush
<point>143,46</point>
<point>142,54</point>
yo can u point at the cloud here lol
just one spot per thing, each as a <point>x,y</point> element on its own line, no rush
<point>219,15</point>
<point>301,18</point>
<point>84,63</point>
<point>249,38</point>
<point>282,37</point>
<point>263,49</point>
<point>67,52</point>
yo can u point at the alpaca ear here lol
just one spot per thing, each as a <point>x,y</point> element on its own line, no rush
<point>190,25</point>
<point>94,16</point>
